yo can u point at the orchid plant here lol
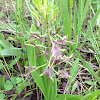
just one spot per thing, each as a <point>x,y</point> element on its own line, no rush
<point>45,47</point>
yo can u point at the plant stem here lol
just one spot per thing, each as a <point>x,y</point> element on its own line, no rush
<point>49,41</point>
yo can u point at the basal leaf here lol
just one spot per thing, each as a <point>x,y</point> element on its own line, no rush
<point>2,96</point>
<point>13,80</point>
<point>91,95</point>
<point>8,85</point>
<point>68,97</point>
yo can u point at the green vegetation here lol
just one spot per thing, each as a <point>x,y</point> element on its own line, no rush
<point>50,49</point>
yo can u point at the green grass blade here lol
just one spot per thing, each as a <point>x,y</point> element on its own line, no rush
<point>98,7</point>
<point>91,71</point>
<point>73,72</point>
<point>66,18</point>
<point>89,27</point>
<point>85,10</point>
<point>75,26</point>
<point>82,11</point>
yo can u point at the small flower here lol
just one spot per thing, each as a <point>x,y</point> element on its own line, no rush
<point>56,51</point>
<point>64,74</point>
<point>47,72</point>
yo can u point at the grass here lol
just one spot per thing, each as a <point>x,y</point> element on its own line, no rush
<point>50,48</point>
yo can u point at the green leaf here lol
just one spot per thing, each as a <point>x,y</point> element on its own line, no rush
<point>33,9</point>
<point>13,62</point>
<point>71,3</point>
<point>90,83</point>
<point>91,96</point>
<point>10,52</point>
<point>73,72</point>
<point>55,13</point>
<point>98,7</point>
<point>74,87</point>
<point>91,71</point>
<point>27,94</point>
<point>8,85</point>
<point>35,15</point>
<point>1,66</point>
<point>91,26</point>
<point>68,97</point>
<point>19,80</point>
<point>75,27</point>
<point>4,44</point>
<point>2,96</point>
<point>74,68</point>
<point>66,17</point>
<point>2,82</point>
<point>25,83</point>
<point>85,10</point>
<point>13,80</point>
<point>1,35</point>
<point>20,85</point>
<point>38,4</point>
<point>18,89</point>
